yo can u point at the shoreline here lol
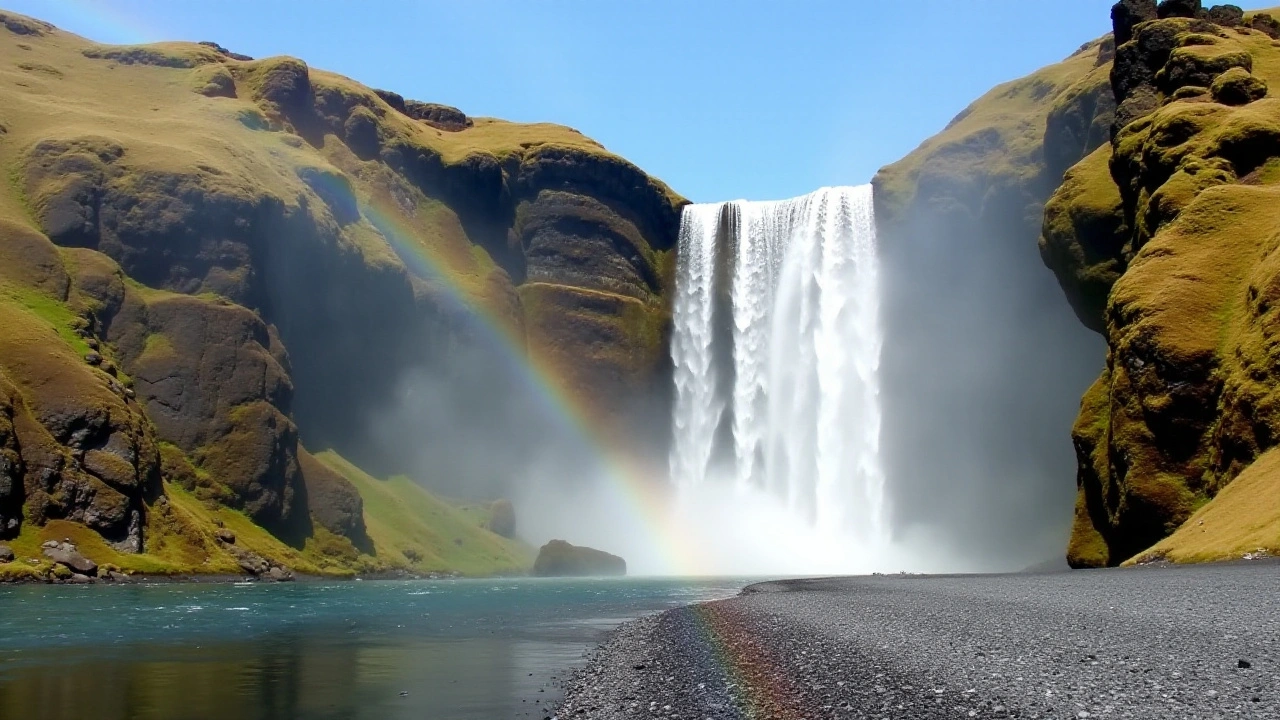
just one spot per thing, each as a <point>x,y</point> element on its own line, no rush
<point>1156,641</point>
<point>225,579</point>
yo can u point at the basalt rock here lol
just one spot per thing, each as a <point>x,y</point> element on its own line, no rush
<point>1128,13</point>
<point>1225,15</point>
<point>67,555</point>
<point>1163,241</point>
<point>560,559</point>
<point>1180,8</point>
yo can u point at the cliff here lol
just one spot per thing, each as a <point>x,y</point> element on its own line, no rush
<point>1143,164</point>
<point>1165,239</point>
<point>207,260</point>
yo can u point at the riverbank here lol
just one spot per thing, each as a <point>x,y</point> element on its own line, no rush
<point>1191,642</point>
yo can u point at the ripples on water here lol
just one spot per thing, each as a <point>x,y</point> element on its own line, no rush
<point>459,648</point>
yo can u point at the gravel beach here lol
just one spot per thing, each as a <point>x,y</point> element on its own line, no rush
<point>1155,642</point>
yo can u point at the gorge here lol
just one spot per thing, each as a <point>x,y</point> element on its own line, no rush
<point>364,334</point>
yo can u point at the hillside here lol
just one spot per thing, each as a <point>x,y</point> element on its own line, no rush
<point>206,260</point>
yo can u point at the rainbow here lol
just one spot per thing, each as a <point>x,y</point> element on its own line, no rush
<point>633,488</point>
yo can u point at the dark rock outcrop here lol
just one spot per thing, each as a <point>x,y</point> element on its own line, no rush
<point>1180,8</point>
<point>502,518</point>
<point>1128,13</point>
<point>334,501</point>
<point>560,559</point>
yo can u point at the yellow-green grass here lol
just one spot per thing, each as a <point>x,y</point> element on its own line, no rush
<point>411,528</point>
<point>1000,135</point>
<point>1244,518</point>
<point>49,310</point>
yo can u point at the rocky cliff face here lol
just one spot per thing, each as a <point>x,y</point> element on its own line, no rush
<point>1165,239</point>
<point>983,363</point>
<point>207,260</point>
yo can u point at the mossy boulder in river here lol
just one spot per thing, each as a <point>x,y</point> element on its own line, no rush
<point>560,559</point>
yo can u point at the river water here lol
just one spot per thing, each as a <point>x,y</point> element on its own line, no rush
<point>387,649</point>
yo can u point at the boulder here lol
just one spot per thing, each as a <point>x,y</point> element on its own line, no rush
<point>502,518</point>
<point>560,559</point>
<point>1127,13</point>
<point>67,555</point>
<point>1226,15</point>
<point>1180,8</point>
<point>6,554</point>
<point>225,535</point>
<point>279,574</point>
<point>1264,23</point>
<point>1238,86</point>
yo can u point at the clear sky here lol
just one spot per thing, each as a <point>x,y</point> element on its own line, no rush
<point>723,99</point>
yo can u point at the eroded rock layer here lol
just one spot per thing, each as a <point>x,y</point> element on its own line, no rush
<point>206,260</point>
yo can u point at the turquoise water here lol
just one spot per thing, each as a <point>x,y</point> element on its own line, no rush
<point>390,649</point>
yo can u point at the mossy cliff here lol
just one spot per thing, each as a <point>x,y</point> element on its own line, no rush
<point>1165,240</point>
<point>1146,164</point>
<point>983,362</point>
<point>206,260</point>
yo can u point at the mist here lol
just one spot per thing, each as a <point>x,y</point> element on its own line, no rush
<point>983,368</point>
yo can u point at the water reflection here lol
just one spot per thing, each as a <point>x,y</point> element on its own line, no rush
<point>371,652</point>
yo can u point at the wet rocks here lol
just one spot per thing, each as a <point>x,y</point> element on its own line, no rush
<point>258,566</point>
<point>66,555</point>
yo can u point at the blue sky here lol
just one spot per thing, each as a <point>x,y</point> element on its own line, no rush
<point>723,99</point>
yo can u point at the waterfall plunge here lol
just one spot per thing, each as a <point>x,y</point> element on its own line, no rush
<point>776,349</point>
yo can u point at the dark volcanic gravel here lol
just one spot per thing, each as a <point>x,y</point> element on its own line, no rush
<point>1184,642</point>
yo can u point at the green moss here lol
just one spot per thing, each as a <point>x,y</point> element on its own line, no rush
<point>53,312</point>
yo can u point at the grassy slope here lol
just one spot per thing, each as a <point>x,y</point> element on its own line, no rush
<point>413,529</point>
<point>1243,518</point>
<point>999,138</point>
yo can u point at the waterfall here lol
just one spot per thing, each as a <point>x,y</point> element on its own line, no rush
<point>777,349</point>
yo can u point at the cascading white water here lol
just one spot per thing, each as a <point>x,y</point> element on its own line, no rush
<point>777,350</point>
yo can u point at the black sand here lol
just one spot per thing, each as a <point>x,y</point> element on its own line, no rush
<point>1186,642</point>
